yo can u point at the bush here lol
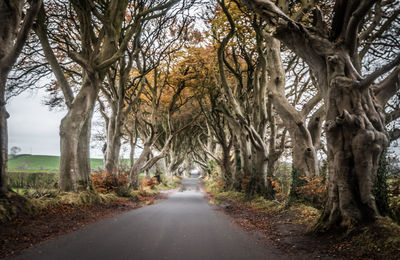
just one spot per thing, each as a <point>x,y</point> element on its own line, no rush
<point>149,183</point>
<point>20,180</point>
<point>394,198</point>
<point>394,204</point>
<point>104,182</point>
<point>313,190</point>
<point>123,191</point>
<point>41,193</point>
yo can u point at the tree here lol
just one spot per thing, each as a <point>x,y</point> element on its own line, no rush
<point>354,103</point>
<point>15,150</point>
<point>161,116</point>
<point>15,25</point>
<point>125,79</point>
<point>94,35</point>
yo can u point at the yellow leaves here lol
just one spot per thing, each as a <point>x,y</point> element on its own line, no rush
<point>244,33</point>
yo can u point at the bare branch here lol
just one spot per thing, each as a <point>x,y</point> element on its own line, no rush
<point>23,34</point>
<point>367,81</point>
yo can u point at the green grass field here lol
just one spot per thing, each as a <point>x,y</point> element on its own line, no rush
<point>43,163</point>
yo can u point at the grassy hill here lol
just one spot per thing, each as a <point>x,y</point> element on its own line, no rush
<point>42,163</point>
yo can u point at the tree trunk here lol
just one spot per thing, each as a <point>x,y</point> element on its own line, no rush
<point>355,127</point>
<point>304,156</point>
<point>256,183</point>
<point>238,167</point>
<point>3,136</point>
<point>356,138</point>
<point>159,169</point>
<point>227,169</point>
<point>245,158</point>
<point>114,134</point>
<point>137,166</point>
<point>75,138</point>
<point>83,176</point>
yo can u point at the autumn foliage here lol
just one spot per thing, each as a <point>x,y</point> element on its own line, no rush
<point>149,183</point>
<point>314,190</point>
<point>104,182</point>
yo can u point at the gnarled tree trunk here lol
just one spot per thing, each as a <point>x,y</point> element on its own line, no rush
<point>75,138</point>
<point>356,138</point>
<point>354,114</point>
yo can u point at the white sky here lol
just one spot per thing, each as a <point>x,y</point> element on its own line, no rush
<point>31,125</point>
<point>34,128</point>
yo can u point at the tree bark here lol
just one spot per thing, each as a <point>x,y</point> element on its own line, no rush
<point>356,138</point>
<point>83,177</point>
<point>75,138</point>
<point>258,174</point>
<point>114,133</point>
<point>3,136</point>
<point>137,166</point>
<point>227,168</point>
<point>245,157</point>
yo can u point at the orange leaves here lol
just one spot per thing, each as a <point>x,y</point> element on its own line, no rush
<point>313,187</point>
<point>104,182</point>
<point>245,182</point>
<point>149,183</point>
<point>313,190</point>
<point>275,184</point>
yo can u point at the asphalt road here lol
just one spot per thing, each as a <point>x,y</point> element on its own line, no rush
<point>184,226</point>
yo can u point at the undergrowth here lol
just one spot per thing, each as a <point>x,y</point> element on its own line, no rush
<point>379,240</point>
<point>107,190</point>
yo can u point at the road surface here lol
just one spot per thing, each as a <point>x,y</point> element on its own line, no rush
<point>184,226</point>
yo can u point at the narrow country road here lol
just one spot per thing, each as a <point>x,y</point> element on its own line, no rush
<point>184,226</point>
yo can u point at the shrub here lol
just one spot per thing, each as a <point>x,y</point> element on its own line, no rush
<point>245,183</point>
<point>123,191</point>
<point>313,190</point>
<point>41,193</point>
<point>149,183</point>
<point>104,182</point>
<point>394,204</point>
<point>394,198</point>
<point>20,180</point>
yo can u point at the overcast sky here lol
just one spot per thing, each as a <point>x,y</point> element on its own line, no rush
<point>31,125</point>
<point>34,128</point>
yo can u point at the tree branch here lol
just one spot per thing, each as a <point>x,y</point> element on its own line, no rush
<point>23,34</point>
<point>351,33</point>
<point>368,80</point>
<point>311,104</point>
<point>41,31</point>
<point>388,87</point>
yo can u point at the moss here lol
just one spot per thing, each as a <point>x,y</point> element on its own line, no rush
<point>148,193</point>
<point>380,190</point>
<point>305,214</point>
<point>14,205</point>
<point>380,239</point>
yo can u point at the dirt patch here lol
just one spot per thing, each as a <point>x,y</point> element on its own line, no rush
<point>283,231</point>
<point>26,231</point>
